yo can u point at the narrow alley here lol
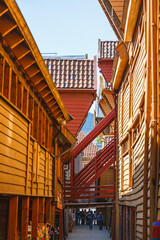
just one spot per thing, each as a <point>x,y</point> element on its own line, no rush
<point>80,134</point>
<point>84,233</point>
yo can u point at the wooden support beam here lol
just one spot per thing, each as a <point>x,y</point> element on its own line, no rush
<point>37,78</point>
<point>3,9</point>
<point>48,98</point>
<point>40,86</point>
<point>6,25</point>
<point>35,214</point>
<point>27,61</point>
<point>14,88</point>
<point>2,65</point>
<point>44,92</point>
<point>20,96</point>
<point>6,79</point>
<point>24,218</point>
<point>36,121</point>
<point>61,225</point>
<point>48,210</point>
<point>13,217</point>
<point>41,209</point>
<point>53,209</point>
<point>21,50</point>
<point>9,83</point>
<point>32,71</point>
<point>93,134</point>
<point>13,39</point>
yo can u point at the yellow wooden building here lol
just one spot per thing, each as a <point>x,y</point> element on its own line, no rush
<point>33,137</point>
<point>135,79</point>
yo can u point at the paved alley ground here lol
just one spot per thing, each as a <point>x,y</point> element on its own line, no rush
<point>84,233</point>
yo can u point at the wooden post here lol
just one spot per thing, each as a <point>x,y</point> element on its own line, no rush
<point>35,213</point>
<point>13,216</point>
<point>24,218</point>
<point>41,210</point>
<point>124,236</point>
<point>61,225</point>
<point>48,210</point>
<point>53,208</point>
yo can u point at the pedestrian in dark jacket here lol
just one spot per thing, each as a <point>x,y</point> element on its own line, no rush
<point>90,219</point>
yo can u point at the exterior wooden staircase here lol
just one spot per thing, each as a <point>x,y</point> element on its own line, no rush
<point>79,187</point>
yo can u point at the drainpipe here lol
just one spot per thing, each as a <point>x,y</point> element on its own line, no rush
<point>153,164</point>
<point>114,167</point>
<point>147,118</point>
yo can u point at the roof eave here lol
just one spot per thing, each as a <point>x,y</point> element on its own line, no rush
<point>120,66</point>
<point>132,14</point>
<point>22,25</point>
<point>112,18</point>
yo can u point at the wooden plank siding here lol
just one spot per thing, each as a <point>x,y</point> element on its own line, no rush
<point>131,133</point>
<point>118,7</point>
<point>139,77</point>
<point>14,156</point>
<point>13,87</point>
<point>107,177</point>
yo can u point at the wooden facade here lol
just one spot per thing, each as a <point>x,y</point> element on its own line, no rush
<point>135,79</point>
<point>33,137</point>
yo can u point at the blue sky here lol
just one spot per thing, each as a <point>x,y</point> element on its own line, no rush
<point>67,27</point>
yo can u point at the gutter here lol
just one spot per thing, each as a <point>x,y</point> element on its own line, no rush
<point>121,65</point>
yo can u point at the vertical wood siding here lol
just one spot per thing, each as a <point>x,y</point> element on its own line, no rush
<point>125,109</point>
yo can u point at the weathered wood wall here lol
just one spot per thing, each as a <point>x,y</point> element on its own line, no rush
<point>25,166</point>
<point>15,89</point>
<point>107,177</point>
<point>131,131</point>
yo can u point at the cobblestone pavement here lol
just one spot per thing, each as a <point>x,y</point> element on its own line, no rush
<point>84,233</point>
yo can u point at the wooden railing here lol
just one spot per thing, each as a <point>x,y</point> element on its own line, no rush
<point>92,171</point>
<point>81,188</point>
<point>92,192</point>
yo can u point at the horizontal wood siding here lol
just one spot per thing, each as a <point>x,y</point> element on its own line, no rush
<point>20,173</point>
<point>138,78</point>
<point>13,150</point>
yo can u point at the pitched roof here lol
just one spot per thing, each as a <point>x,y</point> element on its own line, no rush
<point>91,150</point>
<point>72,73</point>
<point>107,49</point>
<point>76,80</point>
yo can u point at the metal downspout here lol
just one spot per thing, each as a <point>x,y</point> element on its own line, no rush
<point>147,120</point>
<point>154,157</point>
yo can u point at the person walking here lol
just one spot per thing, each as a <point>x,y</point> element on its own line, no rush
<point>90,220</point>
<point>83,217</point>
<point>100,220</point>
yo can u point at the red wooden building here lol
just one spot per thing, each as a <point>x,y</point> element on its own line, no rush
<point>76,81</point>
